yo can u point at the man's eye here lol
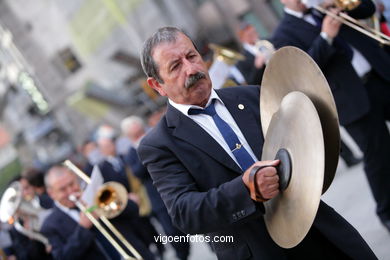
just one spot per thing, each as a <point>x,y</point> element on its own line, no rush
<point>191,56</point>
<point>174,67</point>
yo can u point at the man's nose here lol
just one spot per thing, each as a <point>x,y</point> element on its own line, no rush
<point>70,190</point>
<point>190,68</point>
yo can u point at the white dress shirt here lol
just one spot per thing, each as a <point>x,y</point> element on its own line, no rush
<point>207,123</point>
<point>73,213</point>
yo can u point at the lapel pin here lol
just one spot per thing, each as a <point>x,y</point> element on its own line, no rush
<point>241,106</point>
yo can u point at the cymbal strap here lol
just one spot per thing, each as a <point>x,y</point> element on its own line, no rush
<point>254,192</point>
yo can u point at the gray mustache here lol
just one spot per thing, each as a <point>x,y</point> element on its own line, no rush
<point>191,80</point>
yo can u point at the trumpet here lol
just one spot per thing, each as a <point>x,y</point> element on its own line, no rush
<point>110,200</point>
<point>350,21</point>
<point>13,206</point>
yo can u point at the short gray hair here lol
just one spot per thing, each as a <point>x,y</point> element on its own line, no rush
<point>128,122</point>
<point>55,171</point>
<point>164,34</point>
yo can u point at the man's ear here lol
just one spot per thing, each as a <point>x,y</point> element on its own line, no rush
<point>153,83</point>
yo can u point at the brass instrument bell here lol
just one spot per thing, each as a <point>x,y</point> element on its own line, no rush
<point>347,5</point>
<point>111,199</point>
<point>225,55</point>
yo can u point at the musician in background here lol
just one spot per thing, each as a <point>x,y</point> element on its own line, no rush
<point>69,231</point>
<point>135,226</point>
<point>91,154</point>
<point>357,70</point>
<point>252,68</point>
<point>133,127</point>
<point>35,180</point>
<point>23,246</point>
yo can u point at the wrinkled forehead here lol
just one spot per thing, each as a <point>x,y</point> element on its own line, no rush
<point>168,49</point>
<point>60,177</point>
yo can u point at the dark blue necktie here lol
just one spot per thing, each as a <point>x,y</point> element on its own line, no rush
<point>238,150</point>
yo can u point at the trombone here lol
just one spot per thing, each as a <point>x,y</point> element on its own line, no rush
<point>107,202</point>
<point>350,21</point>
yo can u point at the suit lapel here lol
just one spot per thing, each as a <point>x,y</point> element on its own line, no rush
<point>189,131</point>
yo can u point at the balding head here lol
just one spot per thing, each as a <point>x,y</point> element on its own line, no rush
<point>61,183</point>
<point>133,127</point>
<point>107,146</point>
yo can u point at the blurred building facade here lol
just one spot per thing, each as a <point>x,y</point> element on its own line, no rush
<point>68,66</point>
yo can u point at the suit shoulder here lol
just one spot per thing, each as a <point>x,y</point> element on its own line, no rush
<point>240,90</point>
<point>251,92</point>
<point>51,221</point>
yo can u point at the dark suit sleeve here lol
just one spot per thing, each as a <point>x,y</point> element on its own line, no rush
<point>191,210</point>
<point>75,246</point>
<point>321,51</point>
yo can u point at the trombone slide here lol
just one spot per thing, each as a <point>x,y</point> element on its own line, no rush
<point>96,223</point>
<point>354,24</point>
<point>104,219</point>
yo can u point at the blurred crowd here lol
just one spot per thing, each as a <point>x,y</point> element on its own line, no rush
<point>45,198</point>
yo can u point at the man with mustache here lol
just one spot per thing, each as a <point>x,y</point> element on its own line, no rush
<point>202,180</point>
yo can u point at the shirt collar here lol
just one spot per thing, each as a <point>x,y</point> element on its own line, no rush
<point>251,48</point>
<point>184,107</point>
<point>62,207</point>
<point>293,13</point>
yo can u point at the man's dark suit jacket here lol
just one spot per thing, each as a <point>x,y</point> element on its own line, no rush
<point>203,189</point>
<point>252,75</point>
<point>68,239</point>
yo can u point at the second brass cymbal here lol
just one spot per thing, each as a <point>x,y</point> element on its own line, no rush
<point>291,69</point>
<point>295,128</point>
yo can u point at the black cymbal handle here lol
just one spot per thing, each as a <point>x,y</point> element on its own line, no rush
<point>284,168</point>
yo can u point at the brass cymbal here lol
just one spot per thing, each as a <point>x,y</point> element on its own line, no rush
<point>295,127</point>
<point>291,69</point>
